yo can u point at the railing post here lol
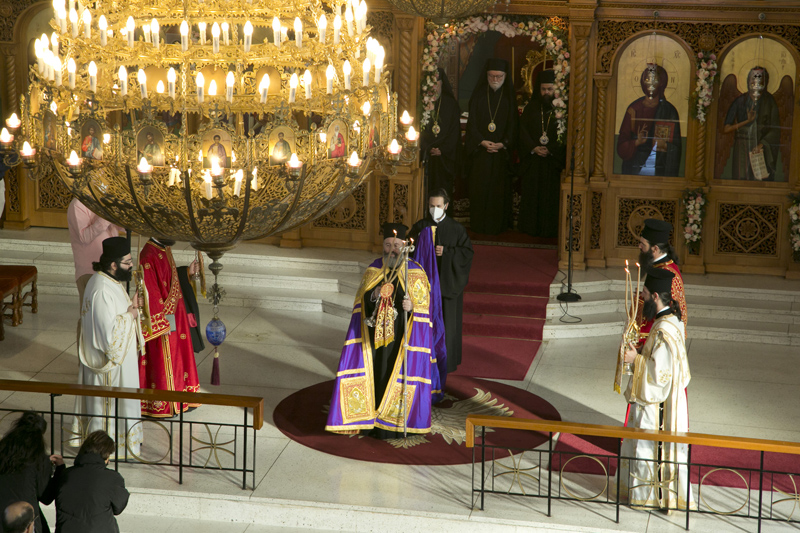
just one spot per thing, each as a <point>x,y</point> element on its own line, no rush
<point>760,489</point>
<point>483,463</point>
<point>244,452</point>
<point>254,452</point>
<point>619,473</point>
<point>180,446</point>
<point>549,471</point>
<point>116,434</point>
<point>688,482</point>
<point>52,422</point>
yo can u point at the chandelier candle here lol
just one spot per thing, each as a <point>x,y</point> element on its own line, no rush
<point>87,24</point>
<point>293,81</point>
<point>298,32</point>
<point>307,82</point>
<point>123,80</point>
<point>337,29</point>
<point>366,67</point>
<point>154,28</point>
<point>73,18</point>
<point>185,36</point>
<point>348,17</point>
<point>142,78</point>
<point>202,27</point>
<point>248,36</point>
<point>201,84</point>
<point>276,31</point>
<point>102,25</point>
<point>321,27</point>
<point>146,32</point>
<point>71,72</point>
<point>215,31</point>
<point>347,69</point>
<point>93,76</point>
<point>229,81</point>
<point>226,33</point>
<point>170,82</point>
<point>130,26</point>
<point>263,88</point>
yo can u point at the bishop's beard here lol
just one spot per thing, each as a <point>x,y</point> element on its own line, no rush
<point>649,310</point>
<point>391,259</point>
<point>547,101</point>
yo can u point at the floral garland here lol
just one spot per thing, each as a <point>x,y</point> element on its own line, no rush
<point>694,208</point>
<point>794,225</point>
<point>706,73</point>
<point>548,36</point>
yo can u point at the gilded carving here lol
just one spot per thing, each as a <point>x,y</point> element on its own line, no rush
<point>748,229</point>
<point>52,193</point>
<point>13,204</point>
<point>9,12</point>
<point>383,200</point>
<point>382,24</point>
<point>597,220</point>
<point>632,212</point>
<point>577,223</point>
<point>400,203</point>
<point>600,129</point>
<point>350,214</point>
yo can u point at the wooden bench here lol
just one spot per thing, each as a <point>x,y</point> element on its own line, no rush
<point>24,276</point>
<point>8,296</point>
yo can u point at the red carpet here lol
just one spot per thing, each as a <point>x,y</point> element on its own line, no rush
<point>512,237</point>
<point>505,306</point>
<point>302,417</point>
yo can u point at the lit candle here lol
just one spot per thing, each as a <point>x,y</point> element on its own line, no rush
<point>347,70</point>
<point>394,148</point>
<point>49,61</point>
<point>216,168</point>
<point>184,36</point>
<point>329,74</point>
<point>276,31</point>
<point>354,160</point>
<point>229,81</point>
<point>144,167</point>
<point>54,42</point>
<point>74,160</point>
<point>146,32</point>
<point>73,18</point>
<point>201,83</point>
<point>71,72</point>
<point>207,182</point>
<point>298,32</point>
<point>215,31</point>
<point>27,151</point>
<point>406,119</point>
<point>57,68</point>
<point>160,87</point>
<point>5,138</point>
<point>412,134</point>
<point>226,33</point>
<point>102,25</point>
<point>130,25</point>
<point>202,27</point>
<point>142,77</point>
<point>92,76</point>
<point>37,50</point>
<point>123,79</point>
<point>348,17</point>
<point>378,64</point>
<point>171,82</point>
<point>156,33</point>
<point>106,138</point>
<point>62,19</point>
<point>212,88</point>
<point>337,29</point>
<point>307,82</point>
<point>248,36</point>
<point>237,184</point>
<point>293,81</point>
<point>362,19</point>
<point>322,27</point>
<point>172,172</point>
<point>365,71</point>
<point>263,88</point>
<point>87,24</point>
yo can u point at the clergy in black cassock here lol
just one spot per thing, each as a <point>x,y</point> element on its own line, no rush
<point>441,137</point>
<point>542,158</point>
<point>453,260</point>
<point>491,132</point>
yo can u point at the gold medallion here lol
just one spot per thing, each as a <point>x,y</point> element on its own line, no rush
<point>492,126</point>
<point>544,139</point>
<point>436,129</point>
<point>386,290</point>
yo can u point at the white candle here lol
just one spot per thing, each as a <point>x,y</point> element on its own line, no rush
<point>49,62</point>
<point>322,27</point>
<point>57,67</point>
<point>329,73</point>
<point>154,28</point>
<point>276,31</point>
<point>248,36</point>
<point>146,31</point>
<point>337,29</point>
<point>62,19</point>
<point>212,88</point>
<point>379,64</point>
<point>366,108</point>
<point>123,79</point>
<point>254,180</point>
<point>201,82</point>
<point>307,81</point>
<point>202,27</point>
<point>73,18</point>
<point>293,88</point>
<point>365,71</point>
<point>348,16</point>
<point>184,36</point>
<point>171,82</point>
<point>142,77</point>
<point>298,32</point>
<point>130,25</point>
<point>171,177</point>
<point>215,31</point>
<point>71,72</point>
<point>263,88</point>
<point>207,181</point>
<point>87,24</point>
<point>362,19</point>
<point>54,42</point>
<point>237,184</point>
<point>160,87</point>
<point>229,81</point>
<point>284,34</point>
<point>347,70</point>
<point>102,25</point>
<point>92,76</point>
<point>226,34</point>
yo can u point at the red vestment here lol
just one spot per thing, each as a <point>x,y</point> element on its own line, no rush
<point>677,295</point>
<point>168,362</point>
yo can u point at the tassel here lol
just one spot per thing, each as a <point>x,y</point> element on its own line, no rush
<point>215,369</point>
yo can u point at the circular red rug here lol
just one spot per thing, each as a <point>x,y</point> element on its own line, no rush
<point>302,417</point>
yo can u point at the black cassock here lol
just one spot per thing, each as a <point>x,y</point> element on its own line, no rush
<point>441,169</point>
<point>453,265</point>
<point>540,176</point>
<point>490,174</point>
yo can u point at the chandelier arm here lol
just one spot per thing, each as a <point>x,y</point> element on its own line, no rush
<point>245,212</point>
<point>106,214</point>
<point>187,187</point>
<point>138,205</point>
<point>300,183</point>
<point>324,208</point>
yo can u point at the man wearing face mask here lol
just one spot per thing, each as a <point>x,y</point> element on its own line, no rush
<point>107,347</point>
<point>491,132</point>
<point>453,251</point>
<point>656,394</point>
<point>542,158</point>
<point>368,390</point>
<point>649,141</point>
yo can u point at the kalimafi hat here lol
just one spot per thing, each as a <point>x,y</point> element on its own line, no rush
<point>115,247</point>
<point>656,231</point>
<point>659,280</point>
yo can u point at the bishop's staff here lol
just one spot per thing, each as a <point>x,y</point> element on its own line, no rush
<point>404,252</point>
<point>144,300</point>
<point>631,332</point>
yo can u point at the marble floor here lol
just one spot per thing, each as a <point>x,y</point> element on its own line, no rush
<point>737,388</point>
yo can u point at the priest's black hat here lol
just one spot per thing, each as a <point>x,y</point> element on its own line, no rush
<point>496,63</point>
<point>115,247</point>
<point>546,76</point>
<point>659,280</point>
<point>389,230</point>
<point>656,231</point>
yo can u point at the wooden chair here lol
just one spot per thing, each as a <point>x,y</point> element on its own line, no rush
<point>24,276</point>
<point>8,299</point>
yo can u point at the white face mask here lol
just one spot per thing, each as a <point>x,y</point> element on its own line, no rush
<point>436,212</point>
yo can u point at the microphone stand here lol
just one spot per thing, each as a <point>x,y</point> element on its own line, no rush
<point>570,295</point>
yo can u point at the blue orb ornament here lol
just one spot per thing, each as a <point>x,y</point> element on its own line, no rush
<point>216,332</point>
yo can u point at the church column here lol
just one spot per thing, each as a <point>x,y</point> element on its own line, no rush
<point>598,173</point>
<point>700,154</point>
<point>579,84</point>
<point>406,71</point>
<point>17,216</point>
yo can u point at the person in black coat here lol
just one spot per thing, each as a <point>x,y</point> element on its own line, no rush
<point>88,495</point>
<point>441,138</point>
<point>26,468</point>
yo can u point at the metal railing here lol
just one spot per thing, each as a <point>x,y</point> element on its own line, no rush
<point>238,448</point>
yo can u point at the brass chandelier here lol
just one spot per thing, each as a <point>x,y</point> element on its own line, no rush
<point>209,121</point>
<point>443,11</point>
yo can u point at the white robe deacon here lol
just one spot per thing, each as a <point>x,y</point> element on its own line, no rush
<point>107,348</point>
<point>657,394</point>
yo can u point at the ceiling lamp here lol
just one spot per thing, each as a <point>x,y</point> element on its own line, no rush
<point>443,11</point>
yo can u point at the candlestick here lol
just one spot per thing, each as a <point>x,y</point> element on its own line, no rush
<point>347,69</point>
<point>337,29</point>
<point>229,81</point>
<point>142,77</point>
<point>348,16</point>
<point>123,79</point>
<point>184,36</point>
<point>71,72</point>
<point>73,18</point>
<point>6,138</point>
<point>378,64</point>
<point>293,81</point>
<point>263,88</point>
<point>200,82</point>
<point>87,24</point>
<point>237,184</point>
<point>154,28</point>
<point>212,88</point>
<point>207,182</point>
<point>226,33</point>
<point>254,180</point>
<point>366,108</point>
<point>329,74</point>
<point>146,32</point>
<point>248,36</point>
<point>405,118</point>
<point>307,82</point>
<point>102,25</point>
<point>215,31</point>
<point>57,68</point>
<point>171,76</point>
<point>92,76</point>
<point>62,19</point>
<point>276,31</point>
<point>322,26</point>
<point>130,25</point>
<point>298,32</point>
<point>365,71</point>
<point>202,27</point>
